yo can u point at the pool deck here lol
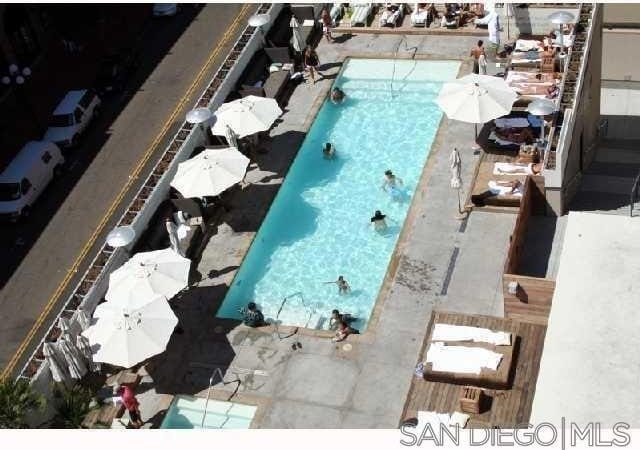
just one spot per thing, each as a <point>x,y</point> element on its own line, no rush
<point>439,263</point>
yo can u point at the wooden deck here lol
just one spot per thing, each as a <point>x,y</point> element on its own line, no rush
<point>503,408</point>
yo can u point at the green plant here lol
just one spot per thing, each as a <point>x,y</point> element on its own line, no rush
<point>72,405</point>
<point>17,398</point>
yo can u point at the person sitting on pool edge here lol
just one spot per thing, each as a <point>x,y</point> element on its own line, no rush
<point>379,224</point>
<point>328,151</point>
<point>342,332</point>
<point>337,95</point>
<point>252,316</point>
<point>336,318</point>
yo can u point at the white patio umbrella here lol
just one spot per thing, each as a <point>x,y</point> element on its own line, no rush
<point>56,363</point>
<point>476,99</point>
<point>246,116</point>
<point>75,362</point>
<point>125,337</point>
<point>296,39</point>
<point>148,275</point>
<point>210,173</point>
<point>83,345</point>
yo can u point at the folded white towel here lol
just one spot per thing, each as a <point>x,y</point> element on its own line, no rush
<point>505,168</point>
<point>504,190</point>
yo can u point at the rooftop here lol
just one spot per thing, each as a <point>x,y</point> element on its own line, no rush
<point>593,326</point>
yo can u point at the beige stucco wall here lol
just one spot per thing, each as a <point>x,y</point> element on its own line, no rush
<point>621,53</point>
<point>622,13</point>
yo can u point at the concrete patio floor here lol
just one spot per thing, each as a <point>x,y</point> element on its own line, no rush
<point>440,263</point>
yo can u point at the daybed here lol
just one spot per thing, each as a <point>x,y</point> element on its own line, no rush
<point>392,15</point>
<point>266,74</point>
<point>360,14</point>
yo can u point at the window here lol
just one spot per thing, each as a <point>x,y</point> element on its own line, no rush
<point>46,157</point>
<point>85,101</point>
<point>9,191</point>
<point>61,120</point>
<point>78,115</point>
<point>25,185</point>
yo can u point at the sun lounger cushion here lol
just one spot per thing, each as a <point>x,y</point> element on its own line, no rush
<point>525,45</point>
<point>504,190</point>
<point>446,332</point>
<point>512,122</point>
<point>458,419</point>
<point>419,17</point>
<point>460,359</point>
<point>360,14</point>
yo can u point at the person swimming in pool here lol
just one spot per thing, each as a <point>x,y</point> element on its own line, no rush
<point>343,286</point>
<point>379,224</point>
<point>392,185</point>
<point>337,96</point>
<point>328,151</point>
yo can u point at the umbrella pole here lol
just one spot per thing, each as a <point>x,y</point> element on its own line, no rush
<point>461,214</point>
<point>475,145</point>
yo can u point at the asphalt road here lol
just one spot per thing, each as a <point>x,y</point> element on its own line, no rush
<point>38,254</point>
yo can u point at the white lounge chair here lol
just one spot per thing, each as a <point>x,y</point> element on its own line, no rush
<point>419,16</point>
<point>360,14</point>
<point>392,18</point>
<point>336,12</point>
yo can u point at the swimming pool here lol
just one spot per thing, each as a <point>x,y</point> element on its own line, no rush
<point>318,226</point>
<point>187,412</point>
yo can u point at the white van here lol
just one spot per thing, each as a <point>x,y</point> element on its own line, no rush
<point>71,117</point>
<point>22,182</point>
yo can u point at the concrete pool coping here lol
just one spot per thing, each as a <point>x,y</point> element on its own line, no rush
<point>392,266</point>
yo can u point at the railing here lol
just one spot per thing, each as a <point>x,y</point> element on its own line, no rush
<point>218,372</point>
<point>634,194</point>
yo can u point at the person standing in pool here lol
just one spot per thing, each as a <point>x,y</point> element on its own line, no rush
<point>343,286</point>
<point>392,185</point>
<point>379,224</point>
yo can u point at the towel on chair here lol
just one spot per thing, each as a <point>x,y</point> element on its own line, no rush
<point>504,190</point>
<point>505,168</point>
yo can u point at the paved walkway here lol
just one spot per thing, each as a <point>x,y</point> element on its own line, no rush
<point>442,263</point>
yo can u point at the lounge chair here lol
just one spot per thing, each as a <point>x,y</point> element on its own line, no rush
<point>498,189</point>
<point>260,80</point>
<point>420,16</point>
<point>392,15</point>
<point>360,14</point>
<point>307,17</point>
<point>336,12</point>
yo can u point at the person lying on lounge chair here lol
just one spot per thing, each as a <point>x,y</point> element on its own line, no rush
<point>515,135</point>
<point>496,189</point>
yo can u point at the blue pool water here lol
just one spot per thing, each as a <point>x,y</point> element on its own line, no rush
<point>187,412</point>
<point>318,226</point>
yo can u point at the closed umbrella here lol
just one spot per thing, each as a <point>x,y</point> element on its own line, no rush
<point>56,363</point>
<point>296,39</point>
<point>148,275</point>
<point>246,116</point>
<point>456,179</point>
<point>75,363</point>
<point>125,337</point>
<point>83,345</point>
<point>476,99</point>
<point>83,319</point>
<point>172,231</point>
<point>210,173</point>
<point>231,137</point>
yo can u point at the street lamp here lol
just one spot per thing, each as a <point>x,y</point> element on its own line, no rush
<point>121,236</point>
<point>258,20</point>
<point>18,77</point>
<point>200,116</point>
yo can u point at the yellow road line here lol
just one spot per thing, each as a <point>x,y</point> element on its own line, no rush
<point>134,175</point>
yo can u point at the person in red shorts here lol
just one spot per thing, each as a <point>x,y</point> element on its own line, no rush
<point>130,402</point>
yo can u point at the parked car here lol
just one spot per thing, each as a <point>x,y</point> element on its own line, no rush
<point>114,71</point>
<point>72,116</point>
<point>165,9</point>
<point>24,179</point>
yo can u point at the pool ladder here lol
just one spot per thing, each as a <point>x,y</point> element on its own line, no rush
<point>218,372</point>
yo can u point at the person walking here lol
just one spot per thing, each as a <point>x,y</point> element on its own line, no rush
<point>311,63</point>
<point>130,402</point>
<point>327,23</point>
<point>476,53</point>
